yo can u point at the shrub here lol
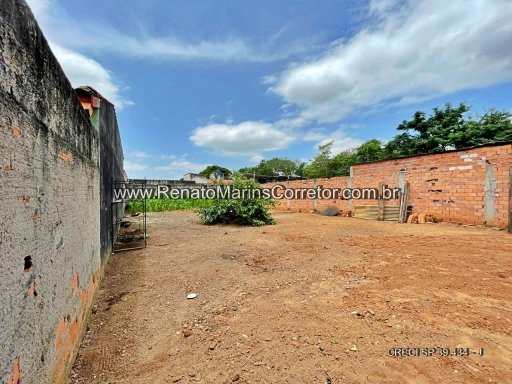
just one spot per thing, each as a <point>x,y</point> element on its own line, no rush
<point>247,211</point>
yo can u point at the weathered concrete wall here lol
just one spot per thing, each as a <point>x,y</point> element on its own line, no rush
<point>111,170</point>
<point>50,201</point>
<point>103,118</point>
<point>467,186</point>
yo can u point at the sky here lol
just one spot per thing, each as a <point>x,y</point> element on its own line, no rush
<point>234,82</point>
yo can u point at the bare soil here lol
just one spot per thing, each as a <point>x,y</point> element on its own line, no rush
<point>312,299</point>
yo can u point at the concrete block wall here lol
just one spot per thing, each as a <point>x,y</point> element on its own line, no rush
<point>49,207</point>
<point>468,186</point>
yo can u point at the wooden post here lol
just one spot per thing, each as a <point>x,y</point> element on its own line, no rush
<point>314,200</point>
<point>404,201</point>
<point>380,203</point>
<point>288,202</point>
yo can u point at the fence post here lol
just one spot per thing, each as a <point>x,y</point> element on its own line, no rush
<point>380,203</point>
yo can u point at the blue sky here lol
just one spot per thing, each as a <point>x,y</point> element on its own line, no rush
<point>233,82</point>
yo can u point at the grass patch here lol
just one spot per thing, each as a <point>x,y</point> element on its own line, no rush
<point>162,205</point>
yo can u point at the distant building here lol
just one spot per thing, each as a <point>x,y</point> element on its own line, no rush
<point>199,179</point>
<point>218,175</point>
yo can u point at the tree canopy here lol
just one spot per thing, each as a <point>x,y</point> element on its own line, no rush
<point>444,129</point>
<point>213,169</point>
<point>321,166</point>
<point>274,167</point>
<point>449,128</point>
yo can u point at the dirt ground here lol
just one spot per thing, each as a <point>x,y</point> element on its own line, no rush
<point>312,299</point>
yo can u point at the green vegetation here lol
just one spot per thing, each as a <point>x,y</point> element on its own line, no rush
<point>275,166</point>
<point>322,165</point>
<point>161,205</point>
<point>215,168</point>
<point>449,129</point>
<point>247,211</point>
<point>446,128</point>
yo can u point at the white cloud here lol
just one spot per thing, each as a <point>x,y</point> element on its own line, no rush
<point>249,138</point>
<point>81,70</point>
<point>292,123</point>
<point>170,48</point>
<point>315,134</point>
<point>256,159</point>
<point>168,157</point>
<point>269,79</point>
<point>253,138</point>
<point>40,8</point>
<point>130,166</point>
<point>409,51</point>
<point>179,167</point>
<point>107,39</point>
<point>86,35</point>
<point>139,155</point>
<point>341,141</point>
<point>140,165</point>
<point>379,8</point>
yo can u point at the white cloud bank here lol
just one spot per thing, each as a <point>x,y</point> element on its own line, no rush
<point>340,141</point>
<point>409,52</point>
<point>85,35</point>
<point>249,138</point>
<point>82,70</point>
<point>109,40</point>
<point>79,69</point>
<point>140,165</point>
<point>254,138</point>
<point>131,166</point>
<point>176,169</point>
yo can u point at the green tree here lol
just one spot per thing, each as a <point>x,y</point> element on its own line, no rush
<point>445,128</point>
<point>247,170</point>
<point>215,168</point>
<point>301,168</point>
<point>493,126</point>
<point>341,163</point>
<point>449,128</point>
<point>276,166</point>
<point>401,145</point>
<point>437,132</point>
<point>370,150</point>
<point>321,166</point>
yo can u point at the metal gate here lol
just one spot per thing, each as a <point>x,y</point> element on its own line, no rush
<point>129,230</point>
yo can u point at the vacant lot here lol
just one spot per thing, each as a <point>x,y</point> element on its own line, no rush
<point>310,300</point>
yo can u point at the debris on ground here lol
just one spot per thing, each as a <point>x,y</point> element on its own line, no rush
<point>422,218</point>
<point>330,211</point>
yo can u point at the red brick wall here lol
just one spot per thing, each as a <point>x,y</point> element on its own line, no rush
<point>312,205</point>
<point>451,186</point>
